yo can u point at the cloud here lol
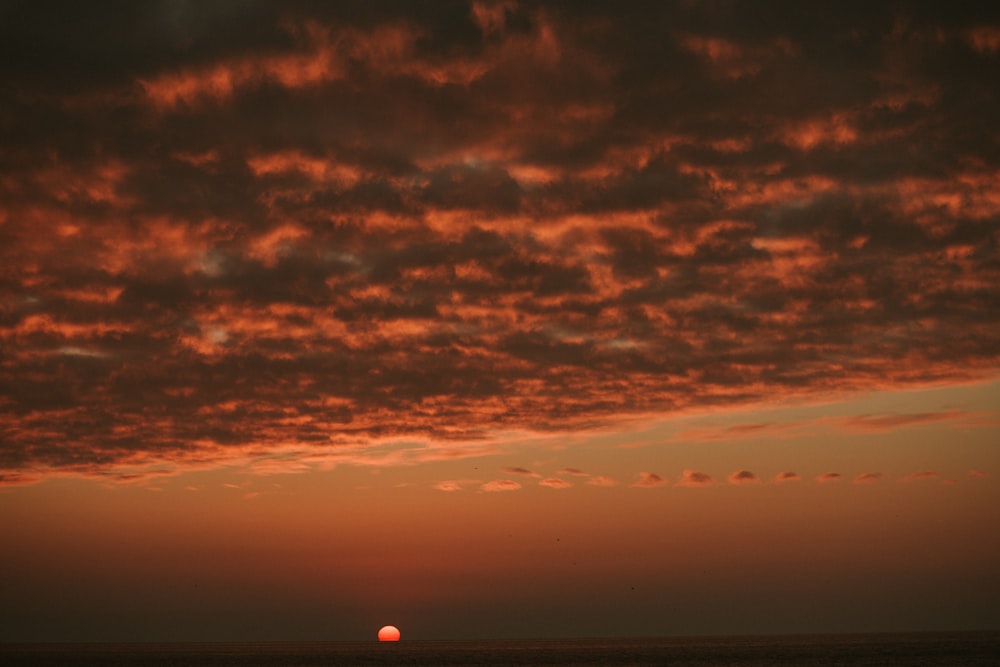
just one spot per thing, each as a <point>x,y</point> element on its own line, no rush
<point>498,485</point>
<point>601,480</point>
<point>555,483</point>
<point>880,423</point>
<point>984,39</point>
<point>919,476</point>
<point>573,471</point>
<point>977,474</point>
<point>868,478</point>
<point>649,480</point>
<point>451,223</point>
<point>20,479</point>
<point>694,479</point>
<point>829,477</point>
<point>736,431</point>
<point>866,423</point>
<point>786,476</point>
<point>743,477</point>
<point>451,485</point>
<point>521,471</point>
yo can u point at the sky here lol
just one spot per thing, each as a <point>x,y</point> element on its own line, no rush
<point>498,319</point>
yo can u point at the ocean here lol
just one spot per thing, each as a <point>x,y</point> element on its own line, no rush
<point>884,650</point>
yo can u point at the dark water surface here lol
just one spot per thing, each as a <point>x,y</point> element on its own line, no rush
<point>805,651</point>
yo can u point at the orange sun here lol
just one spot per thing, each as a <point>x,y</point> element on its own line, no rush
<point>388,633</point>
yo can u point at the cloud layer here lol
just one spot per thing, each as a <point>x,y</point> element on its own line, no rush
<point>691,479</point>
<point>288,232</point>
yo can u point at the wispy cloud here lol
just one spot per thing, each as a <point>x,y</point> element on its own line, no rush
<point>602,480</point>
<point>555,483</point>
<point>868,478</point>
<point>715,433</point>
<point>868,423</point>
<point>521,471</point>
<point>887,422</point>
<point>828,477</point>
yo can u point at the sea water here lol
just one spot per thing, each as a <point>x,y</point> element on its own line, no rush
<point>932,649</point>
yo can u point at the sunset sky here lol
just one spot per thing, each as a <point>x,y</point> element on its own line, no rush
<point>498,319</point>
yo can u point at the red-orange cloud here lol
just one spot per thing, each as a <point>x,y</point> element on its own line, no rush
<point>514,470</point>
<point>868,478</point>
<point>786,476</point>
<point>692,478</point>
<point>743,477</point>
<point>649,480</point>
<point>499,485</point>
<point>298,244</point>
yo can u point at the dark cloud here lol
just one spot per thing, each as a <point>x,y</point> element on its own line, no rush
<point>695,479</point>
<point>649,480</point>
<point>521,471</point>
<point>227,229</point>
<point>743,477</point>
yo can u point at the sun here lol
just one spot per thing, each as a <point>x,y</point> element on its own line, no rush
<point>388,633</point>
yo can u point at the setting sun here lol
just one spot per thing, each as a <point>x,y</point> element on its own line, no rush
<point>388,633</point>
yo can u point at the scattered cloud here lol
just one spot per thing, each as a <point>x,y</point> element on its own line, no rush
<point>450,485</point>
<point>649,480</point>
<point>692,478</point>
<point>868,478</point>
<point>786,476</point>
<point>498,485</point>
<point>977,474</point>
<point>743,477</point>
<point>602,480</point>
<point>829,477</point>
<point>573,471</point>
<point>555,483</point>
